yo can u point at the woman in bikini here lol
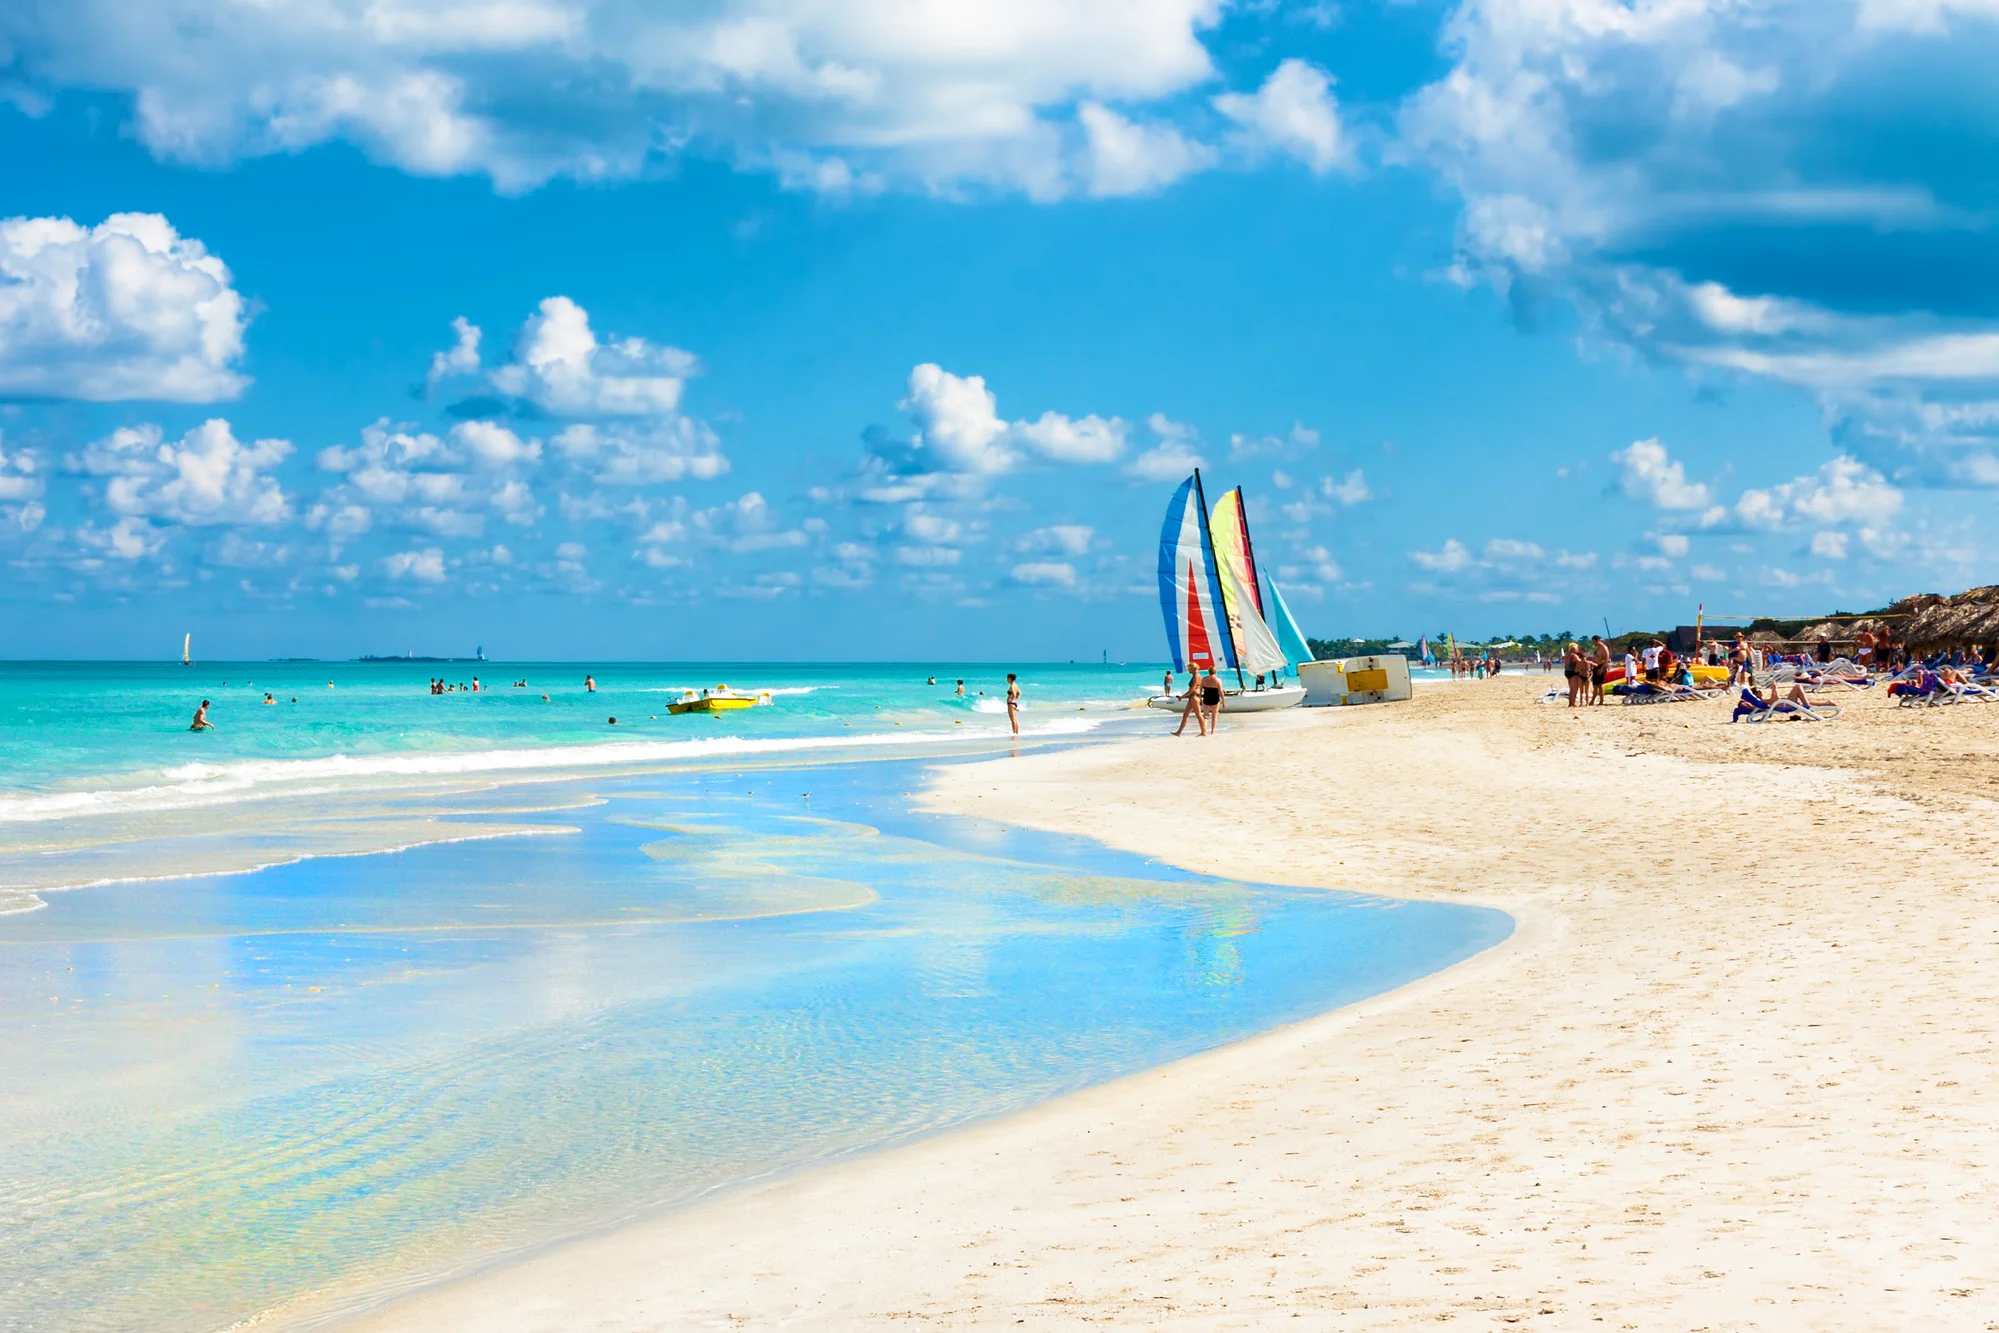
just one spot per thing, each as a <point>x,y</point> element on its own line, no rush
<point>1193,708</point>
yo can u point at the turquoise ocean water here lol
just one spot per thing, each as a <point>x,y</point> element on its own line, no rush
<point>364,989</point>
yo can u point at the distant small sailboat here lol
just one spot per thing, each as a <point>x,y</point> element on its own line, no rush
<point>721,699</point>
<point>186,642</point>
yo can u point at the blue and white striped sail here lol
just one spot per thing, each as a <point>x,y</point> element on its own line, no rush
<point>1190,589</point>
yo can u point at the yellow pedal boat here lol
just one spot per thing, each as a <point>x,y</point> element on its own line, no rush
<point>721,699</point>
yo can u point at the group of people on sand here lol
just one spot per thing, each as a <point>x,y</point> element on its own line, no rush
<point>1204,696</point>
<point>1475,668</point>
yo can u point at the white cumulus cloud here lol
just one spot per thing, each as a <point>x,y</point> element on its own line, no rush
<point>1129,158</point>
<point>643,453</point>
<point>1844,490</point>
<point>1650,476</point>
<point>206,476</point>
<point>1293,112</point>
<point>491,445</point>
<point>1661,164</point>
<point>424,566</point>
<point>1063,538</point>
<point>828,96</point>
<point>562,368</point>
<point>130,538</point>
<point>461,358</point>
<point>128,309</point>
<point>959,428</point>
<point>1452,557</point>
<point>1045,573</point>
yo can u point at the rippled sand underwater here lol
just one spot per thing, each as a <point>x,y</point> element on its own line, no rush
<point>295,1089</point>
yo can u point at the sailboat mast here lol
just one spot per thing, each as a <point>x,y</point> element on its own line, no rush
<point>1228,630</point>
<point>1249,552</point>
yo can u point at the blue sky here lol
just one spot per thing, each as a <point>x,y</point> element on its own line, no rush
<point>588,328</point>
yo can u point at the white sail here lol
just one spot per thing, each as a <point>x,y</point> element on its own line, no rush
<point>1255,646</point>
<point>187,641</point>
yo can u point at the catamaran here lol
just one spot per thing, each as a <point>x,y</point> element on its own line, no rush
<point>186,642</point>
<point>1210,593</point>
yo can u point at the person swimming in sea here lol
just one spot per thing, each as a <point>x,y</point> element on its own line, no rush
<point>268,700</point>
<point>201,722</point>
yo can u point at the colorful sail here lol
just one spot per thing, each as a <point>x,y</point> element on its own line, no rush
<point>1230,526</point>
<point>1289,637</point>
<point>1256,647</point>
<point>1190,590</point>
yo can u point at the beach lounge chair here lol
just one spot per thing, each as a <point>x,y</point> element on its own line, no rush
<point>1753,708</point>
<point>1925,690</point>
<point>1833,679</point>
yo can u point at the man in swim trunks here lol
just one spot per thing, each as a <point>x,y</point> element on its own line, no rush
<point>1013,702</point>
<point>1599,667</point>
<point>201,722</point>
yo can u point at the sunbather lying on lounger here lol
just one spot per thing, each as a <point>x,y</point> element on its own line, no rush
<point>1754,707</point>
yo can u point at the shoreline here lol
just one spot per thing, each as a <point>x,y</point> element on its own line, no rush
<point>1509,1138</point>
<point>363,820</point>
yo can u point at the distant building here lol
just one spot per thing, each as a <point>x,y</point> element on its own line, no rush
<point>1683,640</point>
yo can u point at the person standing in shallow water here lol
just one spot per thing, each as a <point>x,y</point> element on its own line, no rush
<point>1013,702</point>
<point>590,684</point>
<point>201,722</point>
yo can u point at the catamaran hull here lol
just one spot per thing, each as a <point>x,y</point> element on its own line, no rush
<point>1239,701</point>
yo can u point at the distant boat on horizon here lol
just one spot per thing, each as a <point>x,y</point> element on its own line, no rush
<point>186,642</point>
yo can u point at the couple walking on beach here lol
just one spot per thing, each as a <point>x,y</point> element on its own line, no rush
<point>1204,700</point>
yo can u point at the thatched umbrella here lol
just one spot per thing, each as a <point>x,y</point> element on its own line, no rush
<point>1979,608</point>
<point>1953,622</point>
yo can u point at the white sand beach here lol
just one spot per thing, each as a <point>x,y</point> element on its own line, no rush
<point>1734,1070</point>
